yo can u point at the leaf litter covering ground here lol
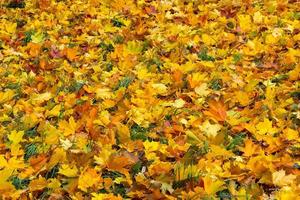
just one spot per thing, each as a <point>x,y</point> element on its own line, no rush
<point>124,99</point>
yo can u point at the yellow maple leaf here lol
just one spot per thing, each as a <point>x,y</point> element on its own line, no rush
<point>265,127</point>
<point>219,151</point>
<point>196,78</point>
<point>58,155</point>
<point>16,137</point>
<point>211,130</point>
<point>104,93</point>
<point>67,170</point>
<point>295,73</point>
<point>281,179</point>
<point>202,90</point>
<point>38,184</point>
<point>242,98</point>
<point>134,47</point>
<point>257,17</point>
<point>151,146</point>
<point>104,118</point>
<point>123,133</point>
<point>6,96</point>
<point>53,183</point>
<point>51,135</point>
<point>178,103</point>
<point>271,39</point>
<point>245,22</point>
<point>68,128</point>
<point>54,112</point>
<point>105,197</point>
<point>10,27</point>
<point>159,88</point>
<point>30,120</point>
<point>183,172</point>
<point>40,98</point>
<point>87,179</point>
<point>287,193</point>
<point>103,157</point>
<point>3,161</point>
<point>212,185</point>
<point>208,39</point>
<point>188,66</point>
<point>15,163</point>
<point>250,148</point>
<point>38,37</point>
<point>6,185</point>
<point>291,134</point>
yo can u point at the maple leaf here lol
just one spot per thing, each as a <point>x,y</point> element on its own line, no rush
<point>211,185</point>
<point>68,128</point>
<point>208,39</point>
<point>53,183</point>
<point>5,185</point>
<point>245,22</point>
<point>242,98</point>
<point>13,163</point>
<point>291,134</point>
<point>202,90</point>
<point>38,184</point>
<point>265,127</point>
<point>54,112</point>
<point>40,98</point>
<point>178,103</point>
<point>105,197</point>
<point>87,179</point>
<point>16,137</point>
<point>38,37</point>
<point>69,171</point>
<point>34,49</point>
<point>280,178</point>
<point>250,148</point>
<point>66,144</point>
<point>257,17</point>
<point>120,163</point>
<point>6,96</point>
<point>99,99</point>
<point>196,78</point>
<point>159,88</point>
<point>30,121</point>
<point>217,110</point>
<point>103,157</point>
<point>58,155</point>
<point>38,161</point>
<point>104,93</point>
<point>286,193</point>
<point>71,53</point>
<point>211,130</point>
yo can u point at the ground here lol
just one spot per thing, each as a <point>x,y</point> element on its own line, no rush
<point>144,99</point>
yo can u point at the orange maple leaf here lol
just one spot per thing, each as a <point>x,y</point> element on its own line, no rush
<point>34,49</point>
<point>120,163</point>
<point>71,53</point>
<point>177,76</point>
<point>39,161</point>
<point>217,110</point>
<point>250,148</point>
